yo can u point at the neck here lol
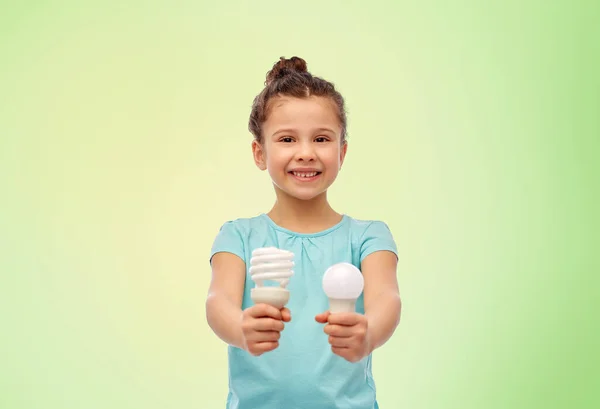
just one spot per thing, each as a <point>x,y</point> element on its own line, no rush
<point>307,216</point>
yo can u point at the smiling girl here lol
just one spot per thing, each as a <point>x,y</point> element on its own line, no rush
<point>321,360</point>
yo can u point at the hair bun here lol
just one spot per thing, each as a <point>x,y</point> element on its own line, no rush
<point>285,67</point>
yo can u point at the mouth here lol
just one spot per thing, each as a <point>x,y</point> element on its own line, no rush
<point>305,176</point>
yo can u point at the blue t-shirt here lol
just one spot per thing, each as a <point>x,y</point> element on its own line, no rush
<point>302,372</point>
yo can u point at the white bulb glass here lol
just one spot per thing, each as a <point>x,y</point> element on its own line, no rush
<point>342,283</point>
<point>271,264</point>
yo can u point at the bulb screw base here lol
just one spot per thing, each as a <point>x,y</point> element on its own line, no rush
<point>341,305</point>
<point>276,296</point>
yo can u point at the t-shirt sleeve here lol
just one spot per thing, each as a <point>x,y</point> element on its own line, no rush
<point>228,240</point>
<point>377,237</point>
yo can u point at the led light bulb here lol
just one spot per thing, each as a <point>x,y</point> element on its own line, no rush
<point>271,264</point>
<point>343,283</point>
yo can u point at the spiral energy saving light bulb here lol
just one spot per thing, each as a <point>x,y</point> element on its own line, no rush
<point>342,283</point>
<point>271,264</point>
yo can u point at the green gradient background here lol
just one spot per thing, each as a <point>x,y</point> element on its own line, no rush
<point>124,147</point>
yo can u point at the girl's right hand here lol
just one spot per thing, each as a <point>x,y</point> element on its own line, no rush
<point>261,327</point>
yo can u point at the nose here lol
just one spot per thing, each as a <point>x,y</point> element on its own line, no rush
<point>305,152</point>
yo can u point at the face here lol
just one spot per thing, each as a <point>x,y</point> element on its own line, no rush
<point>301,147</point>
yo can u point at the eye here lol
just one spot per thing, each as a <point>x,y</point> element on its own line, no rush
<point>287,139</point>
<point>321,139</point>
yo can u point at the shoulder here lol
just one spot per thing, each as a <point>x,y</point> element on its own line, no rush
<point>244,228</point>
<point>365,227</point>
<point>371,236</point>
<point>233,235</point>
<point>243,225</point>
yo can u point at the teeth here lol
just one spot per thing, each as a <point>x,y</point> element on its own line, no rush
<point>305,174</point>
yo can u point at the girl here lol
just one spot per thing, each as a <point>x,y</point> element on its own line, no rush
<point>320,360</point>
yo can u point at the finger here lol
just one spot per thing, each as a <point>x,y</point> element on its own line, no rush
<point>265,310</point>
<point>337,342</point>
<point>345,318</point>
<point>338,330</point>
<point>322,317</point>
<point>286,314</point>
<point>267,324</point>
<point>343,352</point>
<point>347,353</point>
<point>265,336</point>
<point>262,347</point>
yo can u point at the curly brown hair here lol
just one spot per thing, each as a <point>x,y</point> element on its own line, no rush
<point>290,77</point>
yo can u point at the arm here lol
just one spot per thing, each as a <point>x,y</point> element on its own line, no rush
<point>224,301</point>
<point>257,329</point>
<point>354,336</point>
<point>381,297</point>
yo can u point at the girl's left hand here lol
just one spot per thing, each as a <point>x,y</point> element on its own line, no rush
<point>348,334</point>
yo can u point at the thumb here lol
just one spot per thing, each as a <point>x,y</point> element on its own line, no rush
<point>322,317</point>
<point>286,315</point>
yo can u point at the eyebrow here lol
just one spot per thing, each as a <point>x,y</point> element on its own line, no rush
<point>326,130</point>
<point>290,130</point>
<point>283,131</point>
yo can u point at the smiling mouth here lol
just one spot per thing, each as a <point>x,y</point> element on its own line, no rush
<point>306,175</point>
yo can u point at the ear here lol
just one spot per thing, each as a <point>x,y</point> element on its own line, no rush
<point>343,152</point>
<point>258,153</point>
